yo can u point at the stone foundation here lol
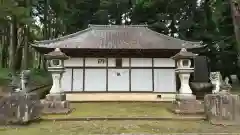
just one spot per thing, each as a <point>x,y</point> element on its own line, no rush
<point>222,108</point>
<point>56,97</point>
<point>56,104</point>
<point>19,107</point>
<point>185,104</point>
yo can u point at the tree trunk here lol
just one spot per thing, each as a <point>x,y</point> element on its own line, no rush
<point>19,54</point>
<point>5,54</point>
<point>236,20</point>
<point>4,49</point>
<point>13,45</point>
<point>25,48</point>
<point>45,23</point>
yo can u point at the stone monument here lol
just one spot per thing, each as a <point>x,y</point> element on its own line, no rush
<point>222,107</point>
<point>55,101</point>
<point>20,106</point>
<point>186,102</point>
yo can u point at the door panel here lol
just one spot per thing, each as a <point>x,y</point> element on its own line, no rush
<point>141,80</point>
<point>95,79</point>
<point>164,80</point>
<point>118,80</point>
<point>77,79</point>
<point>66,80</point>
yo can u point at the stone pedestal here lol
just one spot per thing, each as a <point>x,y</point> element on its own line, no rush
<point>187,104</point>
<point>184,75</point>
<point>56,76</point>
<point>19,107</point>
<point>222,108</point>
<point>56,104</point>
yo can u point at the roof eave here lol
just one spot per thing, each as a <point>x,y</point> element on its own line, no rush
<point>62,37</point>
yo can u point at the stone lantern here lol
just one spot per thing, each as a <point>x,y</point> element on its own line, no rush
<point>185,101</point>
<point>55,101</point>
<point>184,69</point>
<point>56,67</point>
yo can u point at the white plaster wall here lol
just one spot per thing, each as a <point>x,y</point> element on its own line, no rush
<point>164,80</point>
<point>125,62</point>
<point>73,62</point>
<point>95,79</point>
<point>118,83</point>
<point>93,62</point>
<point>141,80</point>
<point>77,79</point>
<point>111,62</point>
<point>163,62</point>
<point>141,62</point>
<point>66,79</point>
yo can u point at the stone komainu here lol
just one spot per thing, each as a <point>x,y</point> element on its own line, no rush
<point>19,108</point>
<point>222,108</point>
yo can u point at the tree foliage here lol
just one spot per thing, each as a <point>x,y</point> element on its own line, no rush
<point>209,21</point>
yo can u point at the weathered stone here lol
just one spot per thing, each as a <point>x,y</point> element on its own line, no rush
<point>56,97</point>
<point>222,108</point>
<point>19,108</point>
<point>56,104</point>
<point>56,107</point>
<point>188,107</point>
<point>185,97</point>
<point>25,76</point>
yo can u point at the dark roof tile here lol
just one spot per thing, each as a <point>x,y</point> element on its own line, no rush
<point>117,37</point>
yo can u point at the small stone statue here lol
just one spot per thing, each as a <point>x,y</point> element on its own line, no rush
<point>216,79</point>
<point>225,86</point>
<point>25,74</point>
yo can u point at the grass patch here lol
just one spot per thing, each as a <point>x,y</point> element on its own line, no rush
<point>117,127</point>
<point>117,109</point>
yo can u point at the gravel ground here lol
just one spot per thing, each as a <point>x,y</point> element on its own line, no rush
<point>118,127</point>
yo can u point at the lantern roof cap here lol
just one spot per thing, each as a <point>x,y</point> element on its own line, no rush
<point>183,54</point>
<point>56,54</point>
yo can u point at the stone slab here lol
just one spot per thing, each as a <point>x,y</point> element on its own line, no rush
<point>56,97</point>
<point>222,108</point>
<point>185,97</point>
<point>188,107</point>
<point>55,107</point>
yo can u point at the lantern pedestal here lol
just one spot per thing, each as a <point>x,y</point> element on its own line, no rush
<point>56,77</point>
<point>55,102</point>
<point>184,75</point>
<point>186,102</point>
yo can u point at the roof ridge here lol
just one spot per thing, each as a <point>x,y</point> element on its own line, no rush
<point>62,37</point>
<point>116,26</point>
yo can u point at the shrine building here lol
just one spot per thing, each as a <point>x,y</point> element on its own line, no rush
<point>118,59</point>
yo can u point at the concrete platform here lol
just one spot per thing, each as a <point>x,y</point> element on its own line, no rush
<point>151,97</point>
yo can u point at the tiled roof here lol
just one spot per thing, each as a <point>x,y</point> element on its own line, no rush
<point>117,37</point>
<point>57,53</point>
<point>183,54</point>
